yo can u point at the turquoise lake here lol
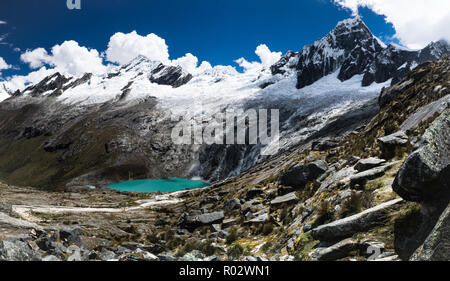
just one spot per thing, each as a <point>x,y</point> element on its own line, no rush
<point>163,185</point>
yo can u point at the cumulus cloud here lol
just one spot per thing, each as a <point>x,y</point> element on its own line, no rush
<point>267,58</point>
<point>3,64</point>
<point>20,82</point>
<point>249,66</point>
<point>417,22</point>
<point>122,47</point>
<point>69,58</point>
<point>189,62</point>
<point>36,58</point>
<point>2,22</point>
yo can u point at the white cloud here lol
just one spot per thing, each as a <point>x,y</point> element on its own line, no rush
<point>36,58</point>
<point>417,22</point>
<point>67,58</point>
<point>189,62</point>
<point>2,22</point>
<point>3,64</point>
<point>122,47</point>
<point>267,58</point>
<point>22,81</point>
<point>249,66</point>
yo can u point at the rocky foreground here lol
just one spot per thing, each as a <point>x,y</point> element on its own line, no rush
<point>379,193</point>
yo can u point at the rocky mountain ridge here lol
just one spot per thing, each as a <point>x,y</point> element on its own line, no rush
<point>352,49</point>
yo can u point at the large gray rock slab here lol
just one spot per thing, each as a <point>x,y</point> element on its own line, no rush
<point>361,222</point>
<point>288,198</point>
<point>374,173</point>
<point>211,218</point>
<point>337,251</point>
<point>10,222</point>
<point>425,113</point>
<point>424,176</point>
<point>369,163</point>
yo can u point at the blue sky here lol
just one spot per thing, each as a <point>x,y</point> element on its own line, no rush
<point>218,31</point>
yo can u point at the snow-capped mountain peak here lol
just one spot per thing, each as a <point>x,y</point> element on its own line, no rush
<point>352,49</point>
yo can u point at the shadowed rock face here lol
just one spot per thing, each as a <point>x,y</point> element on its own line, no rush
<point>424,177</point>
<point>437,244</point>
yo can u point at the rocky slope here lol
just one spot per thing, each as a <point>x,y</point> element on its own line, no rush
<point>378,193</point>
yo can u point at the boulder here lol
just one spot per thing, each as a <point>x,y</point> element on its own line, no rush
<point>210,218</point>
<point>337,251</point>
<point>361,222</point>
<point>288,198</point>
<point>369,163</point>
<point>299,175</point>
<point>437,245</point>
<point>191,222</point>
<point>17,251</point>
<point>389,143</point>
<point>70,235</point>
<point>374,173</point>
<point>424,176</point>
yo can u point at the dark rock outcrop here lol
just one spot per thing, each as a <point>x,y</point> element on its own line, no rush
<point>389,144</point>
<point>424,177</point>
<point>300,175</point>
<point>169,75</point>
<point>192,221</point>
<point>437,245</point>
